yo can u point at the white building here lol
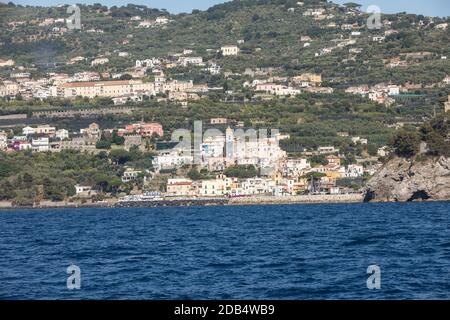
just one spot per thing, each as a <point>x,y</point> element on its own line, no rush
<point>230,50</point>
<point>130,174</point>
<point>6,63</point>
<point>162,20</point>
<point>213,147</point>
<point>294,167</point>
<point>354,171</point>
<point>84,190</point>
<point>3,140</point>
<point>85,76</point>
<point>62,134</point>
<point>40,144</point>
<point>246,148</point>
<point>171,160</point>
<point>383,151</point>
<point>186,61</point>
<point>214,69</point>
<point>99,61</point>
<point>254,186</point>
<point>326,150</point>
<point>360,140</point>
<point>217,187</point>
<point>28,131</point>
<point>394,90</point>
<point>442,26</point>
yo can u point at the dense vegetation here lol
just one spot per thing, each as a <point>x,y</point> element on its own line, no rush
<point>263,24</point>
<point>272,38</point>
<point>26,178</point>
<point>434,133</point>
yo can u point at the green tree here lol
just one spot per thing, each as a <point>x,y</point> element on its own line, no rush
<point>119,156</point>
<point>241,171</point>
<point>372,149</point>
<point>117,140</point>
<point>193,174</point>
<point>405,143</point>
<point>103,144</point>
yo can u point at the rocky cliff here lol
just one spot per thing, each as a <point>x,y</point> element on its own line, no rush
<point>407,180</point>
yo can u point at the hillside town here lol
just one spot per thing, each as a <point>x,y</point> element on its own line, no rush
<point>274,174</point>
<point>336,91</point>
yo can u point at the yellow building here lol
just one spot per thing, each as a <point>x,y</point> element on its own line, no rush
<point>115,88</point>
<point>300,186</point>
<point>45,129</point>
<point>333,175</point>
<point>8,88</point>
<point>230,50</point>
<point>309,77</point>
<point>180,187</point>
<point>217,187</point>
<point>334,160</point>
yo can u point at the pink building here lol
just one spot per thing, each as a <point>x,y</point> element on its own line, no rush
<point>144,129</point>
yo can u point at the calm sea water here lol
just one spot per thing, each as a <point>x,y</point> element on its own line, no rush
<point>255,252</point>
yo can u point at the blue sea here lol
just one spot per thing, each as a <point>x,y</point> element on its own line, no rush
<point>249,252</point>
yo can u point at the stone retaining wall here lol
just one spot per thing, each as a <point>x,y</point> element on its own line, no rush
<point>329,198</point>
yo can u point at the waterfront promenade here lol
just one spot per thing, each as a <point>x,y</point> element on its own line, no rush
<point>210,201</point>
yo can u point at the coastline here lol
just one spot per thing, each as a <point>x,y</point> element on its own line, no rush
<point>207,202</point>
<point>185,202</point>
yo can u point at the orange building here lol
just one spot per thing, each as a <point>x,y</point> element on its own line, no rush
<point>144,129</point>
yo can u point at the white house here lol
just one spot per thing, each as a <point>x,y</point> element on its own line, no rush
<point>171,160</point>
<point>84,190</point>
<point>3,140</point>
<point>293,167</point>
<point>99,61</point>
<point>162,20</point>
<point>356,140</point>
<point>394,90</point>
<point>186,61</point>
<point>354,171</point>
<point>230,50</point>
<point>214,69</point>
<point>40,144</point>
<point>253,186</point>
<point>442,26</point>
<point>325,150</point>
<point>130,174</point>
<point>28,131</point>
<point>378,38</point>
<point>62,134</point>
<point>6,63</point>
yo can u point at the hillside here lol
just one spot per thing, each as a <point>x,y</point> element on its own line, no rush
<point>402,180</point>
<point>272,32</point>
<point>277,34</point>
<point>336,90</point>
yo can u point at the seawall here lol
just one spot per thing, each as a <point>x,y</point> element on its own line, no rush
<point>325,198</point>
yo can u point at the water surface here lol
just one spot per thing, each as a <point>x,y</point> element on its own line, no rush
<point>248,252</point>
